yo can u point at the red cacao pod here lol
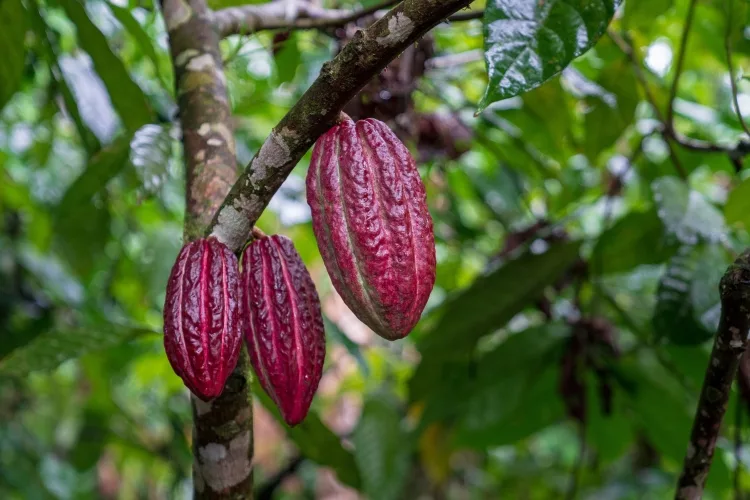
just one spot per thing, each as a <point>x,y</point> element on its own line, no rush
<point>202,334</point>
<point>283,325</point>
<point>370,219</point>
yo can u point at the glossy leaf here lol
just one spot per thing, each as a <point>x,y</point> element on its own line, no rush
<point>686,213</point>
<point>688,308</point>
<point>526,42</point>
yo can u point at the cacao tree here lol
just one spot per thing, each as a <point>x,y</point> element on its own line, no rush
<point>417,249</point>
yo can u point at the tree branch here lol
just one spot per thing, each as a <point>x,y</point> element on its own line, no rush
<point>729,346</point>
<point>368,52</point>
<point>222,429</point>
<point>247,19</point>
<point>287,15</point>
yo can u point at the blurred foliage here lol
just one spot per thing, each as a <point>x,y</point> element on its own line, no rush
<point>564,345</point>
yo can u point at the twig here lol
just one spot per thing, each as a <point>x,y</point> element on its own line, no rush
<point>729,345</point>
<point>732,81</point>
<point>679,64</point>
<point>368,52</point>
<point>223,428</point>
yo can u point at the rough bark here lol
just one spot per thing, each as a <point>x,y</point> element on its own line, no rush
<point>340,79</point>
<point>222,429</point>
<point>729,346</point>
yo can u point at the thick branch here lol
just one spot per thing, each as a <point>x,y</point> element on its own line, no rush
<point>340,79</point>
<point>729,346</point>
<point>222,429</point>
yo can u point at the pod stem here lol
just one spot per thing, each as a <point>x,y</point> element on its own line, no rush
<point>258,234</point>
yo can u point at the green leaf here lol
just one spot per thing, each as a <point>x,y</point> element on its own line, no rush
<point>528,42</point>
<point>636,239</point>
<point>642,13</point>
<point>49,350</point>
<point>125,17</point>
<point>316,441</point>
<point>446,388</point>
<point>494,422</point>
<point>127,98</point>
<point>334,333</point>
<point>381,448</point>
<point>737,209</point>
<point>287,60</point>
<point>685,212</point>
<point>12,37</point>
<point>492,300</point>
<point>688,306</point>
<point>611,111</point>
<point>81,222</point>
<point>151,155</point>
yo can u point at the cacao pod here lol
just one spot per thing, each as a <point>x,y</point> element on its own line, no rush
<point>283,325</point>
<point>371,222</point>
<point>202,334</point>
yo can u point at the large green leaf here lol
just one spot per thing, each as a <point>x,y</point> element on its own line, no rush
<point>48,350</point>
<point>528,42</point>
<point>612,110</point>
<point>688,307</point>
<point>381,448</point>
<point>316,441</point>
<point>636,239</point>
<point>127,98</point>
<point>82,223</point>
<point>493,422</point>
<point>12,36</point>
<point>492,300</point>
<point>685,212</point>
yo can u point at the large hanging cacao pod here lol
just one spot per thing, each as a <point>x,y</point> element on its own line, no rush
<point>370,219</point>
<point>283,325</point>
<point>202,335</point>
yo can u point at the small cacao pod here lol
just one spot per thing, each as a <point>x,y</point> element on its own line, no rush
<point>370,219</point>
<point>202,334</point>
<point>283,325</point>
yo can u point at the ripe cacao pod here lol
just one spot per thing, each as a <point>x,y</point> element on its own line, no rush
<point>283,325</point>
<point>371,222</point>
<point>202,334</point>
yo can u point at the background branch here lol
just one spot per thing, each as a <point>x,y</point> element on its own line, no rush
<point>368,52</point>
<point>729,345</point>
<point>222,429</point>
<point>248,19</point>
